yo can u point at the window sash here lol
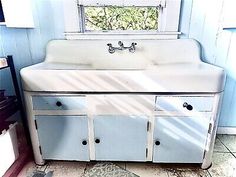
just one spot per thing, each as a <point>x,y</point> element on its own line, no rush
<point>84,30</point>
<point>137,3</point>
<point>168,19</point>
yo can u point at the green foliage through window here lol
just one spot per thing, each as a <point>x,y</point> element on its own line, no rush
<point>121,18</point>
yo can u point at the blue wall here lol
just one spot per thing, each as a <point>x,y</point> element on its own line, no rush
<point>28,45</point>
<point>202,22</point>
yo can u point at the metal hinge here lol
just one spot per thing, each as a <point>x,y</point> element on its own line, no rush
<point>210,127</point>
<point>40,150</point>
<point>36,126</point>
<point>148,125</point>
<point>146,152</point>
<point>204,154</point>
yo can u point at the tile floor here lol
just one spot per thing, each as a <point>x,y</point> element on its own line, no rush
<point>224,165</point>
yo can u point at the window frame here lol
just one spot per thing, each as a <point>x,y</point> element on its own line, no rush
<point>83,23</point>
<point>168,22</point>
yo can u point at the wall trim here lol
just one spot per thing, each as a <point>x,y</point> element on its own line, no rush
<point>150,36</point>
<point>226,130</point>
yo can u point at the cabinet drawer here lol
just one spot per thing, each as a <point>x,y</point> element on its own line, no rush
<point>184,103</point>
<point>58,102</point>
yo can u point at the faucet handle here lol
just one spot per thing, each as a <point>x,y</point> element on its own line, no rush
<point>132,47</point>
<point>110,49</point>
<point>120,43</point>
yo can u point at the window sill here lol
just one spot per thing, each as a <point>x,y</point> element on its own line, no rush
<point>122,35</point>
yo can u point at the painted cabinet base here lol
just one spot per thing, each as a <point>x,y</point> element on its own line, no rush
<point>123,127</point>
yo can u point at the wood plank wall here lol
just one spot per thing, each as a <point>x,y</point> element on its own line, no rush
<point>28,45</point>
<point>203,21</point>
<point>200,19</point>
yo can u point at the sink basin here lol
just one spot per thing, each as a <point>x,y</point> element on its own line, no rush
<point>66,66</point>
<point>156,66</point>
<point>116,63</point>
<point>184,77</point>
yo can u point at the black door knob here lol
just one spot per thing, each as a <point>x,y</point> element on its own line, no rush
<point>58,103</point>
<point>188,106</point>
<point>84,142</point>
<point>157,143</point>
<point>97,140</point>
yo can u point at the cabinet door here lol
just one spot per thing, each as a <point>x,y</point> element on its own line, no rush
<point>63,137</point>
<point>122,138</point>
<point>180,139</point>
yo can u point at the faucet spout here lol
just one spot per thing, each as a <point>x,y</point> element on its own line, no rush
<point>120,43</point>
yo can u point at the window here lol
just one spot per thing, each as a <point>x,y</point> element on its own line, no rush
<point>102,17</point>
<point>120,18</point>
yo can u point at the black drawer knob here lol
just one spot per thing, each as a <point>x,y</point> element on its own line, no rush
<point>97,141</point>
<point>84,142</point>
<point>58,103</point>
<point>157,143</point>
<point>188,106</point>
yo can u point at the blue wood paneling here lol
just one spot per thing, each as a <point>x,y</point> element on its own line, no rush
<point>185,16</point>
<point>218,48</point>
<point>8,48</point>
<point>28,45</point>
<point>197,20</point>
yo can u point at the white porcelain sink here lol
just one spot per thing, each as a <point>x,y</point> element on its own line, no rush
<point>185,77</point>
<point>65,66</point>
<point>156,66</point>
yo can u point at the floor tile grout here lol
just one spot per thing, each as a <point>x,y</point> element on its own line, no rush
<point>85,168</point>
<point>167,174</point>
<point>221,152</point>
<point>209,173</point>
<point>46,167</point>
<point>233,155</point>
<point>227,148</point>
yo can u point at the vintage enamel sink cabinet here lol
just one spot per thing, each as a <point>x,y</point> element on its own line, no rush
<point>98,100</point>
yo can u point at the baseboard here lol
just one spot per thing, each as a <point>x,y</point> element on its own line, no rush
<point>226,130</point>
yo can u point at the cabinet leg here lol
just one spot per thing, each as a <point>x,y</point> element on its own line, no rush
<point>206,166</point>
<point>40,162</point>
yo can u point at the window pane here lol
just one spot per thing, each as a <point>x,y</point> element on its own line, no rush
<point>121,18</point>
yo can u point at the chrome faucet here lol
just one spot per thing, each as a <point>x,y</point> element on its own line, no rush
<point>112,49</point>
